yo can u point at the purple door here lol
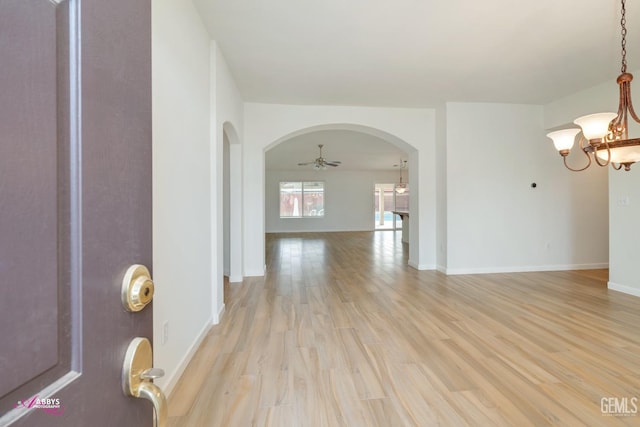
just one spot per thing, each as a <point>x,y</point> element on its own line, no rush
<point>75,207</point>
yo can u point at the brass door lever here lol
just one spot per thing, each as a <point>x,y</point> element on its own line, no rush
<point>138,374</point>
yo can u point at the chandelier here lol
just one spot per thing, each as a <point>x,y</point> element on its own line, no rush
<point>605,136</point>
<point>401,187</point>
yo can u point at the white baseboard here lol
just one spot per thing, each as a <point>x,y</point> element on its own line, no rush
<point>235,279</point>
<point>525,269</point>
<point>322,230</point>
<point>172,380</point>
<point>441,269</point>
<point>624,288</point>
<point>218,316</point>
<point>254,273</point>
<point>418,266</point>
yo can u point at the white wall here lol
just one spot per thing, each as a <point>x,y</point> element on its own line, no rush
<point>236,231</point>
<point>226,120</point>
<point>226,204</point>
<point>562,112</point>
<point>495,221</point>
<point>348,200</point>
<point>413,130</point>
<point>181,184</point>
<point>624,233</point>
<point>441,188</point>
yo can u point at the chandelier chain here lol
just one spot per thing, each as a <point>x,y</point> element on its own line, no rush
<point>623,32</point>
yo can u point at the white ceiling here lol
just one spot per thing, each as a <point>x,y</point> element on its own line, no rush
<point>412,53</point>
<point>356,151</point>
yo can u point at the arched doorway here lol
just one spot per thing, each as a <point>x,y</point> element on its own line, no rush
<point>364,135</point>
<point>413,130</point>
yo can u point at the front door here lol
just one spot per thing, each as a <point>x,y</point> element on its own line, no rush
<point>75,207</point>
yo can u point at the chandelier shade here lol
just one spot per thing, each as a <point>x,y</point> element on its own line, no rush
<point>563,139</point>
<point>621,155</point>
<point>595,126</point>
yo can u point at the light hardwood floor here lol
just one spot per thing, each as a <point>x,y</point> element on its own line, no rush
<point>341,332</point>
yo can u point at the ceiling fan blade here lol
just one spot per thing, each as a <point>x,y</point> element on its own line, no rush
<point>334,164</point>
<point>305,164</point>
<point>334,161</point>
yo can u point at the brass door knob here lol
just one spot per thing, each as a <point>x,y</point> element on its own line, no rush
<point>137,288</point>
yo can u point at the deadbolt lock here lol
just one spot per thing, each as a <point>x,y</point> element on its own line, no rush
<point>137,288</point>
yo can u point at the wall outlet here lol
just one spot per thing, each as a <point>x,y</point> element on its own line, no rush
<point>624,201</point>
<point>165,333</point>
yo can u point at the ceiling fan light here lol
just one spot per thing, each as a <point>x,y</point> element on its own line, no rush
<point>320,163</point>
<point>563,139</point>
<point>595,126</point>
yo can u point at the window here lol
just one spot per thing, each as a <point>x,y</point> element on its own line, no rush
<point>301,199</point>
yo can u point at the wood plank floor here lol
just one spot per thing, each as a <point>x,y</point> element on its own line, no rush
<point>340,332</point>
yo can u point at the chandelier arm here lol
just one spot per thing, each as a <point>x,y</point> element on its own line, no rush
<point>595,155</point>
<point>630,106</point>
<point>617,125</point>
<point>613,165</point>
<point>564,158</point>
<point>619,120</point>
<point>626,104</point>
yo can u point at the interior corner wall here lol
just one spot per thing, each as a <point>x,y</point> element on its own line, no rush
<point>181,245</point>
<point>562,112</point>
<point>226,205</point>
<point>227,110</point>
<point>441,188</point>
<point>268,124</point>
<point>496,221</point>
<point>235,214</point>
<point>623,190</point>
<point>422,205</point>
<point>624,233</point>
<point>348,200</point>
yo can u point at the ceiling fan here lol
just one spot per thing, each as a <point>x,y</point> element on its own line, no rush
<point>321,162</point>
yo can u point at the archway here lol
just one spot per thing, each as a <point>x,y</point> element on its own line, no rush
<point>357,131</point>
<point>414,130</point>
